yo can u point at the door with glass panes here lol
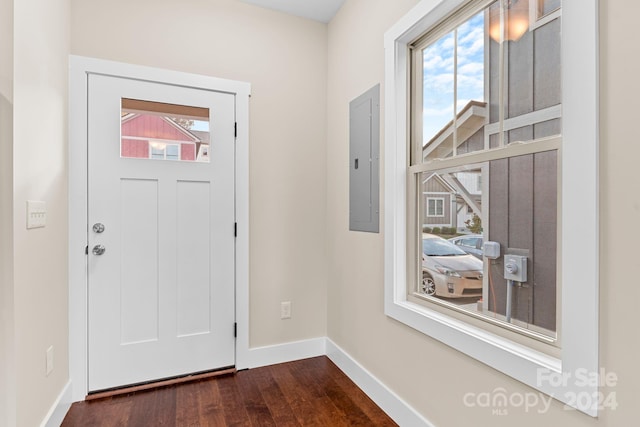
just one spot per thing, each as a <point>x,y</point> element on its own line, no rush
<point>161,242</point>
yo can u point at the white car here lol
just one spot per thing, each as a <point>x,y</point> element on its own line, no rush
<point>470,243</point>
<point>448,271</point>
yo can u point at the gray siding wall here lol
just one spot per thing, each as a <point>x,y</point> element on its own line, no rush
<point>533,78</point>
<point>523,219</point>
<point>523,190</point>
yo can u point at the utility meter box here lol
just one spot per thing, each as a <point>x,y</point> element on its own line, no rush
<point>491,250</point>
<point>515,268</point>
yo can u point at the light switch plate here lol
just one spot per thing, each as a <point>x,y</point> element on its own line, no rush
<point>36,214</point>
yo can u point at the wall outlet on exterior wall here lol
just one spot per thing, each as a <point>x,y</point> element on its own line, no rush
<point>285,310</point>
<point>49,367</point>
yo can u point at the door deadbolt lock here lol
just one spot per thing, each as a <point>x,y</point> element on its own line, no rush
<point>98,249</point>
<point>98,227</point>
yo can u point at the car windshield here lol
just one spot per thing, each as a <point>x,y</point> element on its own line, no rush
<point>440,247</point>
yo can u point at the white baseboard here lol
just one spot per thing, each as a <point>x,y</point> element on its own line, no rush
<point>280,353</point>
<point>385,398</point>
<point>59,409</point>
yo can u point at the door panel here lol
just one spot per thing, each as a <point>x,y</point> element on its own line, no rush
<point>193,253</point>
<point>161,296</point>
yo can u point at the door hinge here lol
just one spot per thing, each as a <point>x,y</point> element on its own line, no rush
<point>235,129</point>
<point>86,250</point>
<point>235,229</point>
<point>235,330</point>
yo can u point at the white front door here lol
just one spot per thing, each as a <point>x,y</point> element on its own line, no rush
<point>161,231</point>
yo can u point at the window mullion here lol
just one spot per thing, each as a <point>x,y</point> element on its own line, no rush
<point>501,77</point>
<point>455,93</point>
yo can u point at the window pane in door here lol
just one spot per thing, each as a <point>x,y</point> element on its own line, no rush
<point>160,131</point>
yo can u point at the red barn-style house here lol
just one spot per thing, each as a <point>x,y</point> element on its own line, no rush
<point>152,136</point>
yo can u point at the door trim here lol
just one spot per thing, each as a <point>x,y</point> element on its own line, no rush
<point>79,69</point>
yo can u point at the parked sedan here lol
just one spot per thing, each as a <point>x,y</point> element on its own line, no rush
<point>448,271</point>
<point>470,243</point>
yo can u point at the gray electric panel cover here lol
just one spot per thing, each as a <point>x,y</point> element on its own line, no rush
<point>364,160</point>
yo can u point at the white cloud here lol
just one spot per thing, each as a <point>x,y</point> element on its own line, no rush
<point>438,62</point>
<point>474,68</point>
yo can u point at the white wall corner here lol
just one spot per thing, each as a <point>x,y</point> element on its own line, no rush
<point>399,410</point>
<point>59,409</point>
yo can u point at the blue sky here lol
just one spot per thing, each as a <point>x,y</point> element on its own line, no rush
<point>200,125</point>
<point>438,74</point>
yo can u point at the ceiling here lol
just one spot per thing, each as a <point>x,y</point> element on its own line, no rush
<point>318,10</point>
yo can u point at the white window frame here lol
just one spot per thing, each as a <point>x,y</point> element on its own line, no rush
<point>164,150</point>
<point>579,200</point>
<point>435,214</point>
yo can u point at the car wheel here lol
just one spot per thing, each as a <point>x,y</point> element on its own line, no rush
<point>428,286</point>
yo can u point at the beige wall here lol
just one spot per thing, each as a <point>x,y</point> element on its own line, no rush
<point>7,383</point>
<point>284,59</point>
<point>430,376</point>
<point>303,75</point>
<point>40,43</point>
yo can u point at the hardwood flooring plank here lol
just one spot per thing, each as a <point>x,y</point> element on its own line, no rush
<point>235,413</point>
<point>154,408</point>
<point>211,404</point>
<point>310,392</point>
<point>298,397</point>
<point>275,399</point>
<point>377,416</point>
<point>188,405</point>
<point>314,375</point>
<point>252,398</point>
<point>107,413</point>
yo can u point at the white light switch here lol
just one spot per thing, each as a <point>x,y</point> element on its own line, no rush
<point>36,214</point>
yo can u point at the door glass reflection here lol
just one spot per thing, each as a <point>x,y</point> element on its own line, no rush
<point>160,131</point>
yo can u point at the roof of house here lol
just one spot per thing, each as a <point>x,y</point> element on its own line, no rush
<point>167,129</point>
<point>468,121</point>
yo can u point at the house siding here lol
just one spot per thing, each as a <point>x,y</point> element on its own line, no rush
<point>153,127</point>
<point>135,148</point>
<point>523,219</point>
<point>187,151</point>
<point>150,126</point>
<point>433,188</point>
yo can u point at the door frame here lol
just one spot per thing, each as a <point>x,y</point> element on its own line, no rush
<point>79,70</point>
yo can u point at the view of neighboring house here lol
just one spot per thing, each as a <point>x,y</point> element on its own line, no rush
<point>152,136</point>
<point>451,199</point>
<point>202,147</point>
<point>469,108</point>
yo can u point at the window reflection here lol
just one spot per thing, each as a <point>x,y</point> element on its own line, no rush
<point>159,131</point>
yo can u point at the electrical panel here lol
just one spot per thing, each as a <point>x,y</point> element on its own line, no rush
<point>364,159</point>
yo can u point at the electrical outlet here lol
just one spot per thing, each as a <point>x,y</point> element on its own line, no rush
<point>49,367</point>
<point>285,310</point>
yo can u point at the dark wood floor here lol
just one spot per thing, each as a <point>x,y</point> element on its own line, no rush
<point>310,392</point>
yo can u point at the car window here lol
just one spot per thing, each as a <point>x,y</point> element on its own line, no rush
<point>468,242</point>
<point>440,247</point>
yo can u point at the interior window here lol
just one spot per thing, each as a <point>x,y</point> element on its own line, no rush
<point>487,133</point>
<point>518,137</point>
